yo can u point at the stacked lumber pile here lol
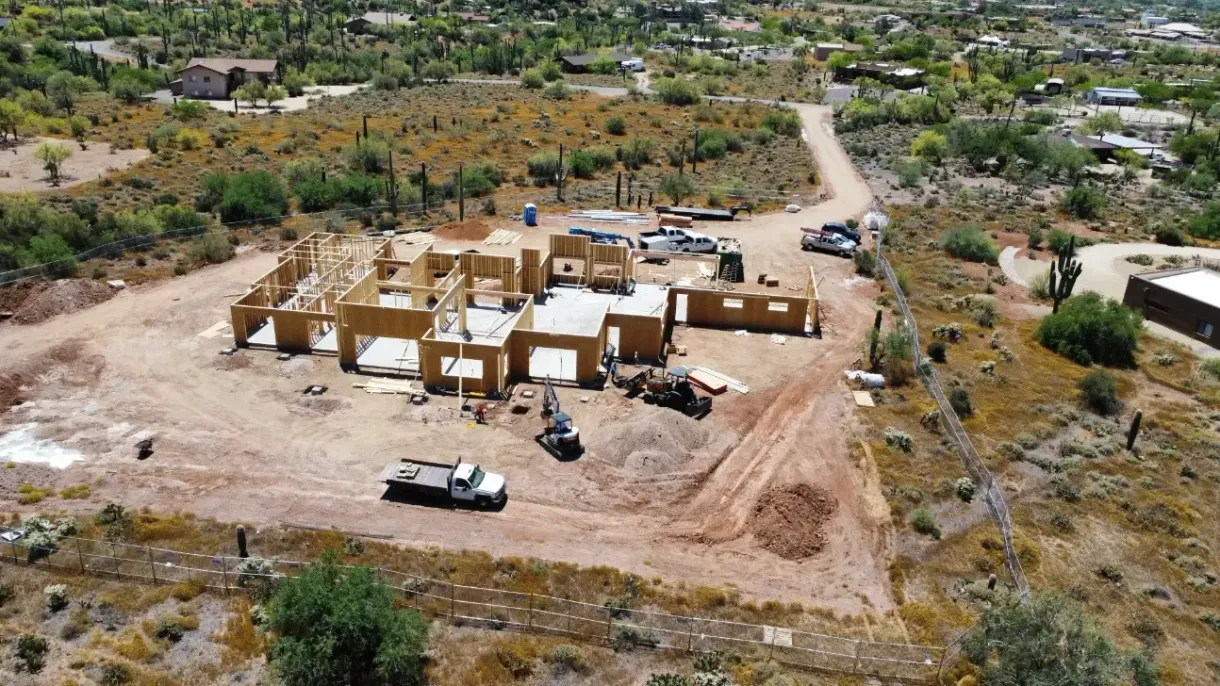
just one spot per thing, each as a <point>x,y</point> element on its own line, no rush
<point>388,387</point>
<point>502,237</point>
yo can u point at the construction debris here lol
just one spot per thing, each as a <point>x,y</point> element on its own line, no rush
<point>863,398</point>
<point>707,382</point>
<point>778,339</point>
<point>418,238</point>
<point>866,379</point>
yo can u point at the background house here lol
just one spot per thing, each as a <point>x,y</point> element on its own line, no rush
<point>1112,96</point>
<point>368,20</point>
<point>217,77</point>
<point>1185,300</point>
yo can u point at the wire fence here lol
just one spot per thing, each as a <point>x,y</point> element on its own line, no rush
<point>498,609</point>
<point>626,196</point>
<point>993,495</point>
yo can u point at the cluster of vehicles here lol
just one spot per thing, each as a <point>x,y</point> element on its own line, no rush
<point>834,237</point>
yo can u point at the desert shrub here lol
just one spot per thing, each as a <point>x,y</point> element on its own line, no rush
<point>1098,392</point>
<point>923,520</point>
<point>899,440</point>
<point>965,488</point>
<point>936,351</point>
<point>1210,368</point>
<point>628,638</point>
<point>970,243</point>
<point>1084,202</point>
<point>951,332</point>
<point>543,167</point>
<point>31,653</point>
<point>7,593</point>
<point>114,674</point>
<point>675,91</point>
<point>253,195</point>
<point>213,248</point>
<point>258,577</point>
<point>56,597</point>
<point>1140,259</point>
<point>1167,235</point>
<point>1058,239</point>
<point>532,79</point>
<point>114,521</point>
<point>898,344</point>
<point>909,170</point>
<point>616,125</point>
<point>866,262</point>
<point>1035,238</point>
<point>189,110</point>
<point>370,155</point>
<point>678,187</point>
<point>168,629</point>
<point>1040,286</point>
<point>959,400</point>
<point>637,153</point>
<point>550,70</point>
<point>782,120</point>
<point>340,625</point>
<point>558,90</point>
<point>1090,329</point>
<point>986,311</point>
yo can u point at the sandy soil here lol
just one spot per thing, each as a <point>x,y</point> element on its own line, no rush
<point>21,171</point>
<point>236,439</point>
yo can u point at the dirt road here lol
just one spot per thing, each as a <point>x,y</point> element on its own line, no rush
<point>237,440</point>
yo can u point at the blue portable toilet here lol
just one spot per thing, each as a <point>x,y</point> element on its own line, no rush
<point>531,214</point>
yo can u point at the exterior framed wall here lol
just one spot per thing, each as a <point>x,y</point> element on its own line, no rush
<point>589,349</point>
<point>570,249</point>
<point>432,352</point>
<point>638,336</point>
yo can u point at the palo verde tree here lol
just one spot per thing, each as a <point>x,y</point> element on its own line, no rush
<point>337,626</point>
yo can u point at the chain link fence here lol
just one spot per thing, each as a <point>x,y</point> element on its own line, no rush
<point>993,495</point>
<point>619,628</point>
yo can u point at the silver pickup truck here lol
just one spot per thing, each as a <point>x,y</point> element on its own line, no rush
<point>826,241</point>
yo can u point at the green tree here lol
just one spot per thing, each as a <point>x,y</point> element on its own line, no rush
<point>838,60</point>
<point>64,88</point>
<point>339,627</point>
<point>1048,640</point>
<point>12,116</point>
<point>931,146</point>
<point>1084,202</point>
<point>52,156</point>
<point>274,93</point>
<point>129,88</point>
<point>1206,224</point>
<point>675,91</point>
<point>439,71</point>
<point>1102,123</point>
<point>78,126</point>
<point>532,79</point>
<point>1089,329</point>
<point>678,187</point>
<point>971,243</point>
<point>250,92</point>
<point>53,251</point>
<point>253,195</point>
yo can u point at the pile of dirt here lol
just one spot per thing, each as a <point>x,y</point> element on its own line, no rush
<point>652,441</point>
<point>788,520</point>
<point>469,230</point>
<point>45,300</point>
<point>16,381</point>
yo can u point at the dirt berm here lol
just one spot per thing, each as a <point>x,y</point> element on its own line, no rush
<point>789,520</point>
<point>651,441</point>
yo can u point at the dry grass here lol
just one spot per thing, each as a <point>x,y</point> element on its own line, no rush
<point>241,641</point>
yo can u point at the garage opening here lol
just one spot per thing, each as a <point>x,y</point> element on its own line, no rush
<point>557,363</point>
<point>463,367</point>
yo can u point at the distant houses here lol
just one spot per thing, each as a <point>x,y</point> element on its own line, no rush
<point>895,75</point>
<point>369,20</point>
<point>579,64</point>
<point>1101,95</point>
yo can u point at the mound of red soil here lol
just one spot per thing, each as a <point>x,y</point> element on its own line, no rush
<point>789,520</point>
<point>43,300</point>
<point>469,230</point>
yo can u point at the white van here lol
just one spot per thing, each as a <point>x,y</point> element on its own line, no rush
<point>634,64</point>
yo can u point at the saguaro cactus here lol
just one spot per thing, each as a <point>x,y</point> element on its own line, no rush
<point>1064,272</point>
<point>1134,431</point>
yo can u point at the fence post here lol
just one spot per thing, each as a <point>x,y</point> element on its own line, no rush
<point>609,625</point>
<point>452,599</point>
<point>152,566</point>
<point>771,650</point>
<point>80,556</point>
<point>855,668</point>
<point>224,571</point>
<point>568,614</point>
<point>14,544</point>
<point>531,616</point>
<point>690,634</point>
<point>114,555</point>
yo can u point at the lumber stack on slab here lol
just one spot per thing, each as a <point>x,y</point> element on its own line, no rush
<point>418,238</point>
<point>712,375</point>
<point>707,382</point>
<point>502,237</point>
<point>388,387</point>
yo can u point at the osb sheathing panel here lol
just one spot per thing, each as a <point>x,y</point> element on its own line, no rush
<point>574,247</point>
<point>638,335</point>
<point>707,308</point>
<point>375,320</point>
<point>432,351</point>
<point>295,330</point>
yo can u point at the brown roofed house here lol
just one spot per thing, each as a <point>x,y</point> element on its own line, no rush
<point>218,77</point>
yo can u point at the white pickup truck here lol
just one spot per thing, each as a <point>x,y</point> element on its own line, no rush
<point>673,239</point>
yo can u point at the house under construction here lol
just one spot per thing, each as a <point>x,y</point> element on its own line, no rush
<point>481,322</point>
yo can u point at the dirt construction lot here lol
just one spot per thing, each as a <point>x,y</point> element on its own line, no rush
<point>22,171</point>
<point>656,493</point>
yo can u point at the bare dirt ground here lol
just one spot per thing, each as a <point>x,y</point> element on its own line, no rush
<point>237,440</point>
<point>20,171</point>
